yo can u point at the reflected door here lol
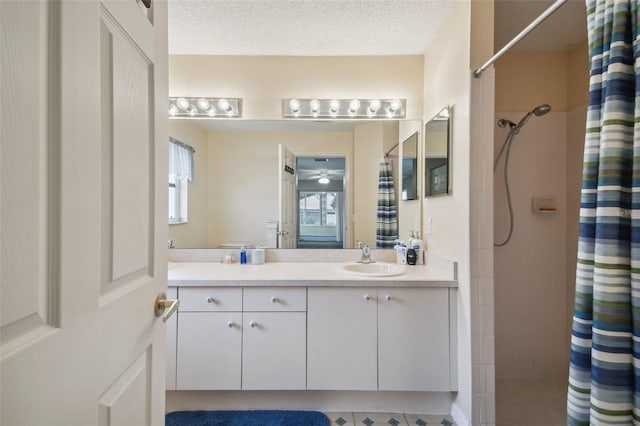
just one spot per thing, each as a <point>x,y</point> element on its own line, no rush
<point>286,198</point>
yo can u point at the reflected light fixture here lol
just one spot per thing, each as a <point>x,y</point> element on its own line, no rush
<point>203,107</point>
<point>324,179</point>
<point>344,108</point>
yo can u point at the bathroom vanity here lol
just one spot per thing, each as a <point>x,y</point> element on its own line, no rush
<point>312,326</point>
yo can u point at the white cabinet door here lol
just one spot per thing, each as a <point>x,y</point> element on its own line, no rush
<point>274,350</point>
<point>342,339</point>
<point>413,339</point>
<point>209,350</point>
<point>172,340</point>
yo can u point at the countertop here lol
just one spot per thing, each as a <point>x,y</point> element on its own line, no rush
<point>306,274</point>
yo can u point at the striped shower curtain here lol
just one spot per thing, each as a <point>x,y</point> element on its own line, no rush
<point>387,228</point>
<point>604,372</point>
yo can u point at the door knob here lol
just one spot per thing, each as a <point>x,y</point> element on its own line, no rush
<point>165,307</point>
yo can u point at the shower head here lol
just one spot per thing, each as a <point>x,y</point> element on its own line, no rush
<point>541,110</point>
<point>515,128</point>
<point>537,111</point>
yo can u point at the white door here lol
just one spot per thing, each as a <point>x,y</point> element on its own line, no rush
<point>287,198</point>
<point>83,212</point>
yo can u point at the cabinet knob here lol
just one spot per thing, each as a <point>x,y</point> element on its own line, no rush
<point>211,300</point>
<point>387,297</point>
<point>230,324</point>
<point>253,324</point>
<point>367,297</point>
<point>274,299</point>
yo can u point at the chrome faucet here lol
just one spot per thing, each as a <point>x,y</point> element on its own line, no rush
<point>366,254</point>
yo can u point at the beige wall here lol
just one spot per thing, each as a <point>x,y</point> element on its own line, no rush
<point>447,82</point>
<point>193,233</point>
<point>560,79</point>
<point>262,81</point>
<point>368,149</point>
<point>578,76</point>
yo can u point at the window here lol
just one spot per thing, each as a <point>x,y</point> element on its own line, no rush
<point>180,173</point>
<point>318,208</point>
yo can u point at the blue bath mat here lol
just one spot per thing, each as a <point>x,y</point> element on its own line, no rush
<point>246,418</point>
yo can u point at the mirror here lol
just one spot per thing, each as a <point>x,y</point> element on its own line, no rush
<point>410,168</point>
<point>437,154</point>
<point>233,198</point>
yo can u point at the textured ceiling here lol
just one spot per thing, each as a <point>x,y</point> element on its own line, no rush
<point>305,27</point>
<point>352,27</point>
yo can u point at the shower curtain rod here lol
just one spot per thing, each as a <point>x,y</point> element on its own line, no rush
<point>386,154</point>
<point>478,72</point>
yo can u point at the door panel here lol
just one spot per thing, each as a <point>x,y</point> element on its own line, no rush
<point>76,346</point>
<point>131,103</point>
<point>27,292</point>
<point>124,403</point>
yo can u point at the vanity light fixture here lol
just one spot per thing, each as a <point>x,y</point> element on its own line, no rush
<point>344,108</point>
<point>203,107</point>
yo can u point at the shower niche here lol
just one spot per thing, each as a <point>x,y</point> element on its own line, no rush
<point>437,154</point>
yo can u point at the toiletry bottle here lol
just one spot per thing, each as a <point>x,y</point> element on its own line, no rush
<point>411,256</point>
<point>243,256</point>
<point>418,245</point>
<point>401,253</point>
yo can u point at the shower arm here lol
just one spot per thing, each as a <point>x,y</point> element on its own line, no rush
<point>555,6</point>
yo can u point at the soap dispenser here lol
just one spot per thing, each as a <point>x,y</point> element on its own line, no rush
<point>243,256</point>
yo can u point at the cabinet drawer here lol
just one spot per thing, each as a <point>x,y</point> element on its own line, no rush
<point>208,299</point>
<point>280,299</point>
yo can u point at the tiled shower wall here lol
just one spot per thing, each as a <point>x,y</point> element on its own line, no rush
<point>531,283</point>
<point>481,244</point>
<point>535,271</point>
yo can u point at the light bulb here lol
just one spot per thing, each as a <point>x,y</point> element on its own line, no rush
<point>193,110</point>
<point>354,106</point>
<point>334,106</point>
<point>314,106</point>
<point>203,104</point>
<point>173,110</point>
<point>212,111</point>
<point>323,180</point>
<point>374,106</point>
<point>182,103</point>
<point>224,105</point>
<point>294,106</point>
<point>395,105</point>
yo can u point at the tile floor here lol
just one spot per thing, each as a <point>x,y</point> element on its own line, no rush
<point>518,403</point>
<point>393,419</point>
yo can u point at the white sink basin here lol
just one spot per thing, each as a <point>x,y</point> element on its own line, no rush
<point>377,269</point>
